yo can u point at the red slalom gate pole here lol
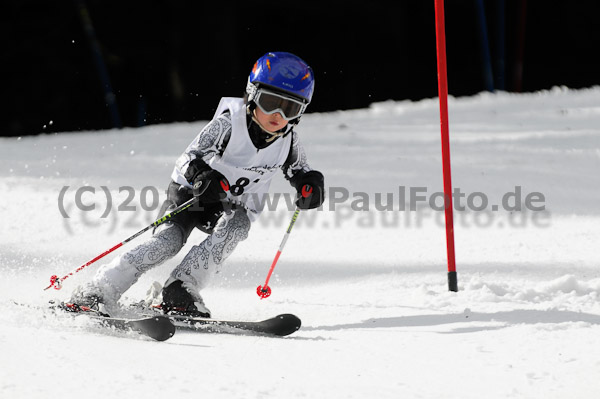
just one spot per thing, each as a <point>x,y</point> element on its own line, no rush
<point>443,95</point>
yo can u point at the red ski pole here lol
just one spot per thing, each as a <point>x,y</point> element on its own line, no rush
<point>56,281</point>
<point>264,291</point>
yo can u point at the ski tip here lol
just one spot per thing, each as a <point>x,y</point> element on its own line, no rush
<point>157,327</point>
<point>168,328</point>
<point>291,322</point>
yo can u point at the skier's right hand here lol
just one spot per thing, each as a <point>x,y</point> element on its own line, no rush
<point>208,185</point>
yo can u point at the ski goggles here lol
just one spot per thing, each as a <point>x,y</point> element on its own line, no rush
<point>270,102</point>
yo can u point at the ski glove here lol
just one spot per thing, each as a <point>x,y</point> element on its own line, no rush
<point>315,197</point>
<point>208,184</point>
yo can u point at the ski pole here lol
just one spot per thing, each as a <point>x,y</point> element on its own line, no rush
<point>56,281</point>
<point>264,291</point>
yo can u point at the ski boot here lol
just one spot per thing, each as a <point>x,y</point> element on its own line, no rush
<point>180,299</point>
<point>85,302</point>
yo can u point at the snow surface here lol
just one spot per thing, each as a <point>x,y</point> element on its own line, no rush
<point>369,286</point>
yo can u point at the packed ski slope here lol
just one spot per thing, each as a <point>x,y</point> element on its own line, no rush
<point>368,281</point>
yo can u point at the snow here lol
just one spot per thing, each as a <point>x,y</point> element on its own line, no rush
<point>369,286</point>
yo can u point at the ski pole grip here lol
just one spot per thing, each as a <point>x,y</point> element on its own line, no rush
<point>306,190</point>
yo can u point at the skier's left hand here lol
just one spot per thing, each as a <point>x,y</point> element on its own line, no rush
<point>315,198</point>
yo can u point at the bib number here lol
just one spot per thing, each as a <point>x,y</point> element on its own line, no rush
<point>238,187</point>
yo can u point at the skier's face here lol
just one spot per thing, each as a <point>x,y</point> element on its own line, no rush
<point>271,123</point>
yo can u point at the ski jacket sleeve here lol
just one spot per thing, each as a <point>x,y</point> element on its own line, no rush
<point>211,141</point>
<point>296,162</point>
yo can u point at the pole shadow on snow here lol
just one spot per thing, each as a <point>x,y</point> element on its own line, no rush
<point>509,318</point>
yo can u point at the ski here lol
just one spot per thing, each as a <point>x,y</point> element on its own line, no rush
<point>157,327</point>
<point>282,325</point>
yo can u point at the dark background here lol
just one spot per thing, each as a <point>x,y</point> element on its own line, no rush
<point>168,61</point>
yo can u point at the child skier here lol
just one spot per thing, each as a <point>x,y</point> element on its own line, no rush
<point>228,167</point>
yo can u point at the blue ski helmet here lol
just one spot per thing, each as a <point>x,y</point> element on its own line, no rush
<point>283,72</point>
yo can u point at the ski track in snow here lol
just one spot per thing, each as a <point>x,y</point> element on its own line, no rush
<point>370,287</point>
